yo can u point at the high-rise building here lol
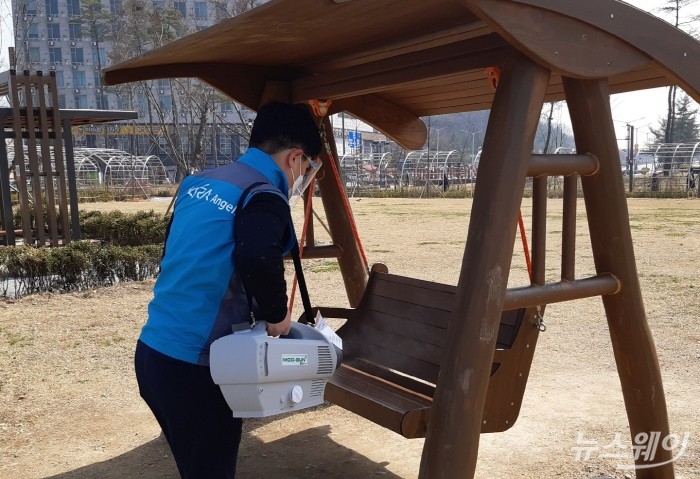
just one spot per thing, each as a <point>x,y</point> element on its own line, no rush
<point>77,39</point>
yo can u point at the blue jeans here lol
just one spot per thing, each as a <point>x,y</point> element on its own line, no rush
<point>198,424</point>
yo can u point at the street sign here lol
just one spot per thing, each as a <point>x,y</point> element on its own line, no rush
<point>354,139</point>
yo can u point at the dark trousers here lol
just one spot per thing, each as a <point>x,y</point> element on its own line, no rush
<point>198,424</point>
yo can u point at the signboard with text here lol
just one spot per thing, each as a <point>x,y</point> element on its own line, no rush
<point>354,139</point>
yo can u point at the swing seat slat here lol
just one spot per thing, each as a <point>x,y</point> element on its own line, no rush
<point>393,343</point>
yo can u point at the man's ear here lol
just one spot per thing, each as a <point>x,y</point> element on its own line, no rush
<point>292,157</point>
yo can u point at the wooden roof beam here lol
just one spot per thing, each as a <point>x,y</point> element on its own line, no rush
<point>402,126</point>
<point>403,69</point>
<point>595,38</point>
<point>244,83</point>
<point>564,44</point>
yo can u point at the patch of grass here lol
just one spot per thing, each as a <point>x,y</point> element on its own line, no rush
<point>381,251</point>
<point>326,267</point>
<point>397,213</point>
<point>113,341</point>
<point>664,278</point>
<point>422,243</point>
<point>14,339</point>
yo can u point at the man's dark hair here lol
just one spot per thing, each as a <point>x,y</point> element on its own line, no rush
<point>279,126</point>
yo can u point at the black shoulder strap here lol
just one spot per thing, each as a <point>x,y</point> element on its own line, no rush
<point>296,258</point>
<point>167,233</point>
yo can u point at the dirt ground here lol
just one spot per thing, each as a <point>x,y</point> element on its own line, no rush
<point>69,405</point>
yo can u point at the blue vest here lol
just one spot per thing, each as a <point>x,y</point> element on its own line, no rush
<point>198,295</point>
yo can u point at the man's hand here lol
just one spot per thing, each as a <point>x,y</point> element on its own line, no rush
<point>281,328</point>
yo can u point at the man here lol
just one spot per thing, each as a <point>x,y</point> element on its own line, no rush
<point>223,257</point>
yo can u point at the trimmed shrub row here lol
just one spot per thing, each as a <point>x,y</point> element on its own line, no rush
<point>119,247</point>
<point>77,266</point>
<point>116,228</point>
<point>121,229</point>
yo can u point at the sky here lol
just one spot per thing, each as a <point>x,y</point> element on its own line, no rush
<point>642,109</point>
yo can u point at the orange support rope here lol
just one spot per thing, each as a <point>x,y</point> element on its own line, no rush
<point>526,249</point>
<point>320,108</point>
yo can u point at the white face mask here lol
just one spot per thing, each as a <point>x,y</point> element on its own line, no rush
<point>302,182</point>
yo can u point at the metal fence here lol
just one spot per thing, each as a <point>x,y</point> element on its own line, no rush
<point>666,168</point>
<point>109,169</point>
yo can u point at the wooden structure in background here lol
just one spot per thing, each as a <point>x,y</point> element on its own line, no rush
<point>44,178</point>
<point>39,180</point>
<point>389,62</point>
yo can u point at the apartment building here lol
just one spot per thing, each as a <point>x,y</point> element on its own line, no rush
<point>58,36</point>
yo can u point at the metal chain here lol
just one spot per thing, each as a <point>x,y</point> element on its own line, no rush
<point>539,320</point>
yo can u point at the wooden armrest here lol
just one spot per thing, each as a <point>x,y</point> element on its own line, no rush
<point>345,313</point>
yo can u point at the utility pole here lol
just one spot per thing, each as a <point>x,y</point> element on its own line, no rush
<point>630,155</point>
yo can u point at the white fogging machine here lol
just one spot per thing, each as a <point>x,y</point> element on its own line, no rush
<point>261,376</point>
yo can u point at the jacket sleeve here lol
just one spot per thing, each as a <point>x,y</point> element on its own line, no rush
<point>263,230</point>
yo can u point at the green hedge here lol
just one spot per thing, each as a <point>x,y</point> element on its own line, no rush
<point>117,228</point>
<point>117,247</point>
<point>121,229</point>
<point>77,266</point>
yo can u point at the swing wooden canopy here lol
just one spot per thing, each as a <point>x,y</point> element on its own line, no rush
<point>389,62</point>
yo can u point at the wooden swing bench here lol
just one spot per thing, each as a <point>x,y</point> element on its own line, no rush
<point>393,344</point>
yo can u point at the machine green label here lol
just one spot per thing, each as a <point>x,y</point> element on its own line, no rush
<point>295,360</point>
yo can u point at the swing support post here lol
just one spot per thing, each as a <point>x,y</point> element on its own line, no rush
<point>613,252</point>
<point>340,223</point>
<point>452,439</point>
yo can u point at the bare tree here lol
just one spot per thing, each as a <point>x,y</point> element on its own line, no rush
<point>24,20</point>
<point>550,118</point>
<point>228,9</point>
<point>675,8</point>
<point>97,20</point>
<point>182,114</point>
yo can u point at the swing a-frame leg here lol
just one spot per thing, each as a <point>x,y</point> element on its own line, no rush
<point>458,404</point>
<point>611,239</point>
<point>452,440</point>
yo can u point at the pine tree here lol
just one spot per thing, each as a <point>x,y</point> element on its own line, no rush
<point>673,8</point>
<point>686,129</point>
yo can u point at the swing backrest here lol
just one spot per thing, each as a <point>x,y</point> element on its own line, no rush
<point>393,346</point>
